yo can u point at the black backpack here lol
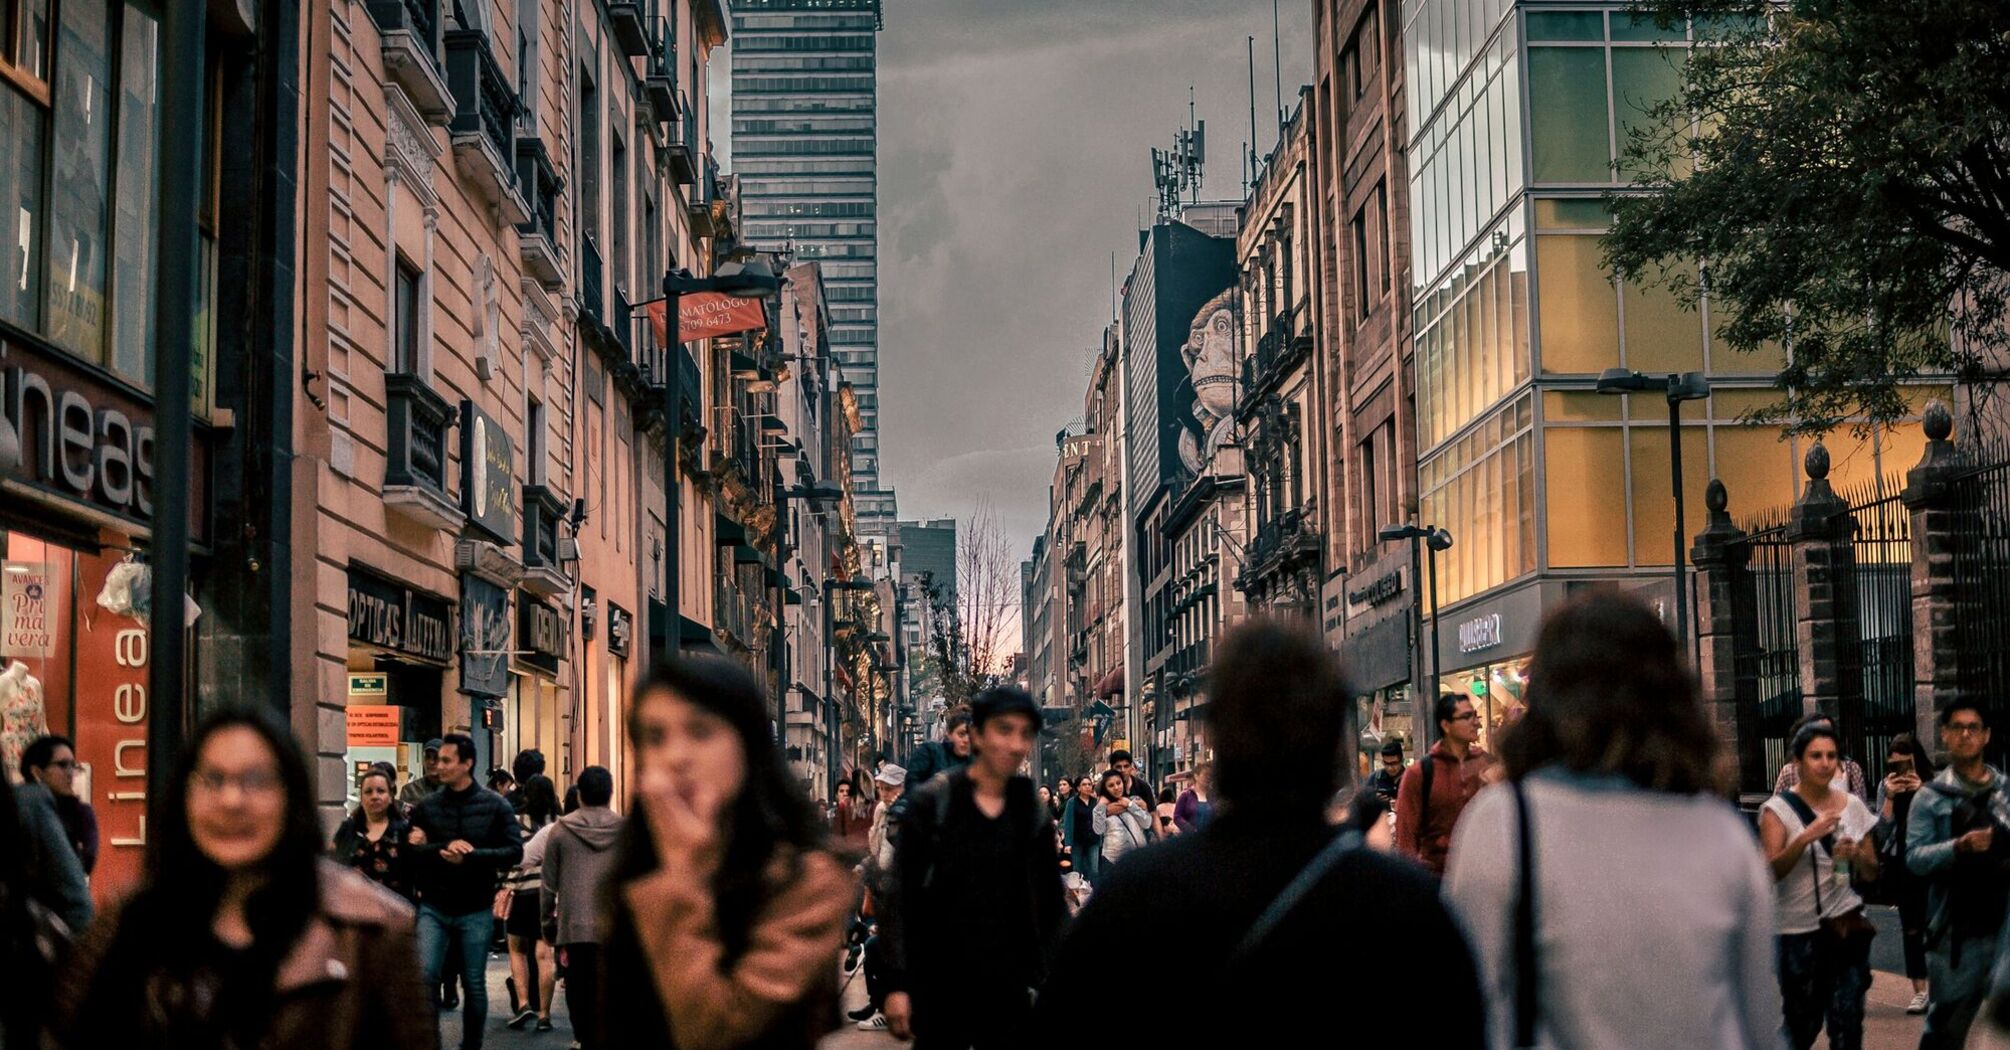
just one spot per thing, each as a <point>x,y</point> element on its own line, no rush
<point>1976,882</point>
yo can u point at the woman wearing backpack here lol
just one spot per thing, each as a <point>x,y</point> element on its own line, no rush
<point>1907,766</point>
<point>1815,833</point>
<point>1120,820</point>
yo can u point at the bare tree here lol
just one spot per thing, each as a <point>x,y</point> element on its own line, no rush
<point>968,624</point>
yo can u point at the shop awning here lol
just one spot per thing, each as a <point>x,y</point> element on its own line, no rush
<point>1110,684</point>
<point>726,532</point>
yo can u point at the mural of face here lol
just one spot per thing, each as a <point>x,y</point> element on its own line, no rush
<point>1209,352</point>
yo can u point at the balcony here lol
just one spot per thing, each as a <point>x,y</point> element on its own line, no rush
<point>415,473</point>
<point>408,33</point>
<point>629,32</point>
<point>543,574</point>
<point>592,299</point>
<point>682,153</point>
<point>483,127</point>
<point>537,239</point>
<point>659,76</point>
<point>703,193</point>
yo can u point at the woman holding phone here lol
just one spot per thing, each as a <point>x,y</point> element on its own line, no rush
<point>1906,767</point>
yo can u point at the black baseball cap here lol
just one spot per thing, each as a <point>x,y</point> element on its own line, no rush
<point>433,744</point>
<point>1003,700</point>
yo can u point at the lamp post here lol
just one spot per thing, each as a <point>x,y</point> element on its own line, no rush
<point>831,589</point>
<point>1437,539</point>
<point>752,279</point>
<point>1677,387</point>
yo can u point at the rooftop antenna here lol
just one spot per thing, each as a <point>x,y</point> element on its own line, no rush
<point>1177,173</point>
<point>1251,146</point>
<point>1277,69</point>
<point>1113,286</point>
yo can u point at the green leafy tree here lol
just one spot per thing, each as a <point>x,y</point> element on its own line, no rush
<point>1840,169</point>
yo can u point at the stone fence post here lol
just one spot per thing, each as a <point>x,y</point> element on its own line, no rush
<point>1727,635</point>
<point>1937,535</point>
<point>1826,635</point>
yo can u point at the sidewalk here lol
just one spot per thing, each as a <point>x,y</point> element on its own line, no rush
<point>1886,1025</point>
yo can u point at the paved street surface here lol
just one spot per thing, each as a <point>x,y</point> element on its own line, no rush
<point>1886,1024</point>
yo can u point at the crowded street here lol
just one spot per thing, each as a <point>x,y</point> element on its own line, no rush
<point>1004,524</point>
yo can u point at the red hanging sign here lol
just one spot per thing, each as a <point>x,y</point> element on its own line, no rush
<point>703,315</point>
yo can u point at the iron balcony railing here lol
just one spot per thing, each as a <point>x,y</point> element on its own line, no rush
<point>484,101</point>
<point>418,419</point>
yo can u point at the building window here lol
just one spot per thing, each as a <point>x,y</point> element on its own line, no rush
<point>526,65</point>
<point>619,219</point>
<point>408,300</point>
<point>535,441</point>
<point>1360,227</point>
<point>74,292</point>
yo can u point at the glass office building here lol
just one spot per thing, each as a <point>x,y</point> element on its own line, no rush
<point>805,133</point>
<point>1521,114</point>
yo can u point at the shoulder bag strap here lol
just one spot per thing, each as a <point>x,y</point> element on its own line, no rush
<point>1280,908</point>
<point>1527,1003</point>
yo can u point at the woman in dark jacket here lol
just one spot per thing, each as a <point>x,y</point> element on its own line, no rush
<point>241,933</point>
<point>1907,766</point>
<point>374,840</point>
<point>1079,826</point>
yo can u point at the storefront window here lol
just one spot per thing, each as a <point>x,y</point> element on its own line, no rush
<point>1497,691</point>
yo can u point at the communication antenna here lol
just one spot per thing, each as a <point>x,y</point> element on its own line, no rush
<point>1277,68</point>
<point>1177,173</point>
<point>1249,148</point>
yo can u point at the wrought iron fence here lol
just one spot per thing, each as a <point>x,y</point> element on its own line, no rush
<point>1774,667</point>
<point>1877,694</point>
<point>1981,578</point>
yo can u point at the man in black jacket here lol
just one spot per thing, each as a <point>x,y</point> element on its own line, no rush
<point>952,752</point>
<point>471,838</point>
<point>1277,720</point>
<point>977,899</point>
<point>1135,786</point>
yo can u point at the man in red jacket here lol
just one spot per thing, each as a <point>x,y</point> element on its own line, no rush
<point>1455,769</point>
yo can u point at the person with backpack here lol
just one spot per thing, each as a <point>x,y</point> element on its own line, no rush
<point>977,902</point>
<point>1436,789</point>
<point>1815,836</point>
<point>1255,901</point>
<point>1952,842</point>
<point>1907,769</point>
<point>952,752</point>
<point>1653,913</point>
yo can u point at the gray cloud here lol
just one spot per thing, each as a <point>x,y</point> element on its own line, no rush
<point>1014,142</point>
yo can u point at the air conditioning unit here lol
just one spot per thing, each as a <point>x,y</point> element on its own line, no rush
<point>489,561</point>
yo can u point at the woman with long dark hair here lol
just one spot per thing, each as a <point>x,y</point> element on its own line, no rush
<point>1907,767</point>
<point>241,933</point>
<point>533,969</point>
<point>729,908</point>
<point>1639,876</point>
<point>375,840</point>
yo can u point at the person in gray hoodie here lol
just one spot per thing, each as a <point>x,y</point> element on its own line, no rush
<point>579,855</point>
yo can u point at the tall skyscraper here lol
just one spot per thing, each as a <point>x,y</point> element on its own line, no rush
<point>805,133</point>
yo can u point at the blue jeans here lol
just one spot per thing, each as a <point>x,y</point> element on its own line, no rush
<point>1089,859</point>
<point>1957,973</point>
<point>1822,980</point>
<point>471,932</point>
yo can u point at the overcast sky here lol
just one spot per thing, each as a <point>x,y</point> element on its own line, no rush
<point>1015,143</point>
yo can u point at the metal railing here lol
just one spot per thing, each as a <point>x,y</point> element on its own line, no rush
<point>1981,579</point>
<point>484,101</point>
<point>592,298</point>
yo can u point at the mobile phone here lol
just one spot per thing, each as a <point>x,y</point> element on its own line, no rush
<point>1897,767</point>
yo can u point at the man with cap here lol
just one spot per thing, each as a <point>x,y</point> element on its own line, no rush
<point>876,874</point>
<point>415,790</point>
<point>976,902</point>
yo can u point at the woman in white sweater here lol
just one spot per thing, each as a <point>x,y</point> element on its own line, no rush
<point>1121,821</point>
<point>1651,916</point>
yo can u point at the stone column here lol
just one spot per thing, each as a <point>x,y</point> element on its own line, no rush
<point>1936,537</point>
<point>1727,636</point>
<point>1825,631</point>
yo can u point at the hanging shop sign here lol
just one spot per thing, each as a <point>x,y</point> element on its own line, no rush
<point>702,315</point>
<point>488,495</point>
<point>81,442</point>
<point>542,631</point>
<point>390,616</point>
<point>485,637</point>
<point>26,598</point>
<point>620,629</point>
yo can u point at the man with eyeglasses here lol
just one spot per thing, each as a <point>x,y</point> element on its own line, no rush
<point>54,873</point>
<point>1956,840</point>
<point>1435,790</point>
<point>51,761</point>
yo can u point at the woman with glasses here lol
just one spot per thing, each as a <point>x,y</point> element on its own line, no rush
<point>241,933</point>
<point>1640,877</point>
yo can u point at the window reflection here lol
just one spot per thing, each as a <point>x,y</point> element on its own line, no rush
<point>1579,311</point>
<point>1569,119</point>
<point>1481,488</point>
<point>75,288</point>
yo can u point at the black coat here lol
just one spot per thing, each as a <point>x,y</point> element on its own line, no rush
<point>485,820</point>
<point>1371,950</point>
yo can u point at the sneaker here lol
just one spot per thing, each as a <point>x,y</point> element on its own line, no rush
<point>1917,1005</point>
<point>522,1018</point>
<point>543,1024</point>
<point>863,1013</point>
<point>875,1023</point>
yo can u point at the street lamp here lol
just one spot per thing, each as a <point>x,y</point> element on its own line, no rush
<point>1437,539</point>
<point>1677,387</point>
<point>741,279</point>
